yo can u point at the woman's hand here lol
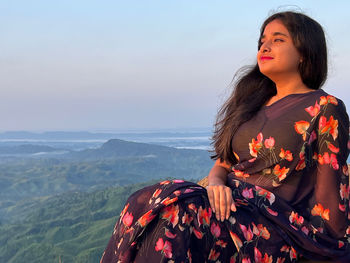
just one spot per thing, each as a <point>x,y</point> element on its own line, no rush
<point>221,201</point>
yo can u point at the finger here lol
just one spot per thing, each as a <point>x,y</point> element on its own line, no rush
<point>222,204</point>
<point>233,206</point>
<point>228,201</point>
<point>211,197</point>
<point>217,202</point>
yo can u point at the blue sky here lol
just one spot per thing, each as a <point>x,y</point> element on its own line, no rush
<point>121,65</point>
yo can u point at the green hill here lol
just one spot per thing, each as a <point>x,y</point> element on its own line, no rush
<point>74,227</point>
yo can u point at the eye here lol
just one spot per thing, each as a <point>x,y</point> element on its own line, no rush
<point>278,39</point>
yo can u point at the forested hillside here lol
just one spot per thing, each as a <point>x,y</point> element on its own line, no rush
<point>62,207</point>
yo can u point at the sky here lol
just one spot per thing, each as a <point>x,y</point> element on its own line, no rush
<point>139,65</point>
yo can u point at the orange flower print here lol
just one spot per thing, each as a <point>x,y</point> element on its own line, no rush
<point>329,99</point>
<point>292,253</point>
<point>346,170</point>
<point>328,127</point>
<point>313,110</point>
<point>187,219</point>
<point>281,173</point>
<point>221,243</point>
<point>286,155</point>
<point>329,159</point>
<point>193,207</point>
<point>295,218</point>
<point>127,219</point>
<point>332,147</point>
<point>318,210</point>
<point>204,216</point>
<point>301,164</point>
<point>258,257</point>
<point>269,143</point>
<point>156,193</point>
<point>215,230</point>
<point>301,128</point>
<point>168,200</point>
<point>146,218</point>
<point>171,213</point>
<point>261,230</point>
<point>236,240</point>
<point>169,234</point>
<point>213,255</point>
<point>248,234</point>
<point>164,247</point>
<point>256,145</point>
<point>198,233</point>
<point>280,260</point>
<point>239,173</point>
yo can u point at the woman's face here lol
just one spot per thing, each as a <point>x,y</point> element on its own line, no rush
<point>277,55</point>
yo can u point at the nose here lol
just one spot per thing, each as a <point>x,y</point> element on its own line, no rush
<point>265,46</point>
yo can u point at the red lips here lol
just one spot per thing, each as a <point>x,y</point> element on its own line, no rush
<point>265,57</point>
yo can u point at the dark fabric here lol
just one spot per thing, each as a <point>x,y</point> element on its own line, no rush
<point>291,189</point>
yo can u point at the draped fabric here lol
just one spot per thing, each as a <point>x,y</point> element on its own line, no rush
<point>290,186</point>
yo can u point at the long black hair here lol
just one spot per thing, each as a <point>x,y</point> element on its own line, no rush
<point>252,89</point>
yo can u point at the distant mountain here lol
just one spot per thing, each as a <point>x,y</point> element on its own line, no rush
<point>115,148</point>
<point>27,149</point>
<point>115,163</point>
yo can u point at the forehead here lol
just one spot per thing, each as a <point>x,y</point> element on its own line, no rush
<point>274,28</point>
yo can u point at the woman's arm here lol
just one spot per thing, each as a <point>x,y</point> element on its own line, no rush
<point>330,207</point>
<point>220,196</point>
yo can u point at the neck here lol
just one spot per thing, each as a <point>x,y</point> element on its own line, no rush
<point>286,86</point>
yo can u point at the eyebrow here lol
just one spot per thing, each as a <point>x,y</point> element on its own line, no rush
<point>275,34</point>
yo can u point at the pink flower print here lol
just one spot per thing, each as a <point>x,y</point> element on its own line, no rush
<point>169,234</point>
<point>271,212</point>
<point>247,193</point>
<point>127,219</point>
<point>248,234</point>
<point>313,110</point>
<point>215,230</point>
<point>269,143</point>
<point>246,260</point>
<point>312,137</point>
<point>164,247</point>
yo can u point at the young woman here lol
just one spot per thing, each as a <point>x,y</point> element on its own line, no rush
<point>279,189</point>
